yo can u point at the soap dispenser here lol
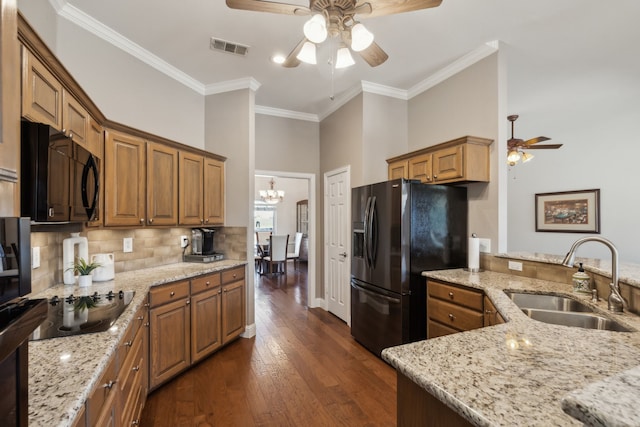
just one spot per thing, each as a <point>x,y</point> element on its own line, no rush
<point>581,281</point>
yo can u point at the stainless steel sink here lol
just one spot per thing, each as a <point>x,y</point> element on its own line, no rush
<point>548,302</point>
<point>580,320</point>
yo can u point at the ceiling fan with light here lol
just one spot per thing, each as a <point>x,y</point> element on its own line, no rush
<point>516,145</point>
<point>336,18</point>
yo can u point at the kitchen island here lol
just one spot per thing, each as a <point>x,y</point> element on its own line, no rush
<point>518,373</point>
<point>63,371</point>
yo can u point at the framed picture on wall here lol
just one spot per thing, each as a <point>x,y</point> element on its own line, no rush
<point>568,211</point>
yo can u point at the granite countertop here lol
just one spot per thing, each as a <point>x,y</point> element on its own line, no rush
<point>518,373</point>
<point>62,371</point>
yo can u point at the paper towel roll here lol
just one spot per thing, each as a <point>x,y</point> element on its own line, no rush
<point>474,254</point>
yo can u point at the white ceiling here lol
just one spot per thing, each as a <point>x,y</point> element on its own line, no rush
<point>560,39</point>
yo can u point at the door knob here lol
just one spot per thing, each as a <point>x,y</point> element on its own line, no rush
<point>343,254</point>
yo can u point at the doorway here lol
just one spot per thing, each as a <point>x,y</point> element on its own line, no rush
<point>285,215</point>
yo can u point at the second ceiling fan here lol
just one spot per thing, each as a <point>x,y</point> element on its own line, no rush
<point>336,18</point>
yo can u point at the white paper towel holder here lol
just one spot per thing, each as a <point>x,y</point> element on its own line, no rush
<point>473,270</point>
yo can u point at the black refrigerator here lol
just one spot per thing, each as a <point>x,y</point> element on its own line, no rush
<point>401,228</point>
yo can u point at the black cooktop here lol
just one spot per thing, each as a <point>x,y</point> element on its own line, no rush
<point>73,315</point>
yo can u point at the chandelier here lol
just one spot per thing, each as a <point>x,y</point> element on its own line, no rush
<point>272,196</point>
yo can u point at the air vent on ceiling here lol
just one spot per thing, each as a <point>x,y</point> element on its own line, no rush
<point>228,47</point>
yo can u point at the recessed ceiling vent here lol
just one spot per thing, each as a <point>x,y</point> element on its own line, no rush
<point>228,47</point>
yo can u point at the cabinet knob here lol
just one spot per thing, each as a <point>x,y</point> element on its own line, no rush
<point>51,212</point>
<point>201,221</point>
<point>234,275</point>
<point>140,318</point>
<point>135,422</point>
<point>172,293</point>
<point>452,317</point>
<point>146,324</point>
<point>71,135</point>
<point>435,176</point>
<point>188,302</point>
<point>128,343</point>
<point>135,368</point>
<point>451,295</point>
<point>207,283</point>
<point>150,220</point>
<point>147,304</point>
<point>141,220</point>
<point>206,221</point>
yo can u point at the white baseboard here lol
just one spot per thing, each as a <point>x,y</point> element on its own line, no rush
<point>249,331</point>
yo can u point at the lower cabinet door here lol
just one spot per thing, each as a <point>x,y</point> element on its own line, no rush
<point>233,310</point>
<point>205,323</point>
<point>169,341</point>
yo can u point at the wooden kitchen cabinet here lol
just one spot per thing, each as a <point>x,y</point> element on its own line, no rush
<point>162,185</point>
<point>101,406</point>
<point>75,119</point>
<point>125,179</point>
<point>169,331</point>
<point>491,314</point>
<point>205,316</point>
<point>41,92</point>
<point>213,191</point>
<point>464,159</point>
<point>452,308</point>
<point>233,303</point>
<point>201,190</point>
<point>191,173</point>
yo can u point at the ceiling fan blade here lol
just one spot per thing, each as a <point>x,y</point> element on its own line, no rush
<point>291,60</point>
<point>536,140</point>
<point>546,146</point>
<point>268,6</point>
<point>374,55</point>
<point>390,7</point>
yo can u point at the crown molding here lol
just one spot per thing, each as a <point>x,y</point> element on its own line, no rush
<point>104,32</point>
<point>454,68</point>
<point>287,114</point>
<point>231,85</point>
<point>379,89</point>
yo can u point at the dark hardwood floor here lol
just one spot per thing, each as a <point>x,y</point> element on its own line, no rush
<point>302,368</point>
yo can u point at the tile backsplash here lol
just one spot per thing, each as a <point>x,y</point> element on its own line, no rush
<point>151,247</point>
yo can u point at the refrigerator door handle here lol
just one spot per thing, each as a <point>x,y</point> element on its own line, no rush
<point>373,232</point>
<point>367,232</point>
<point>375,294</point>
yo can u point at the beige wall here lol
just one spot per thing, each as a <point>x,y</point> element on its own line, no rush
<point>465,104</point>
<point>230,131</point>
<point>384,134</point>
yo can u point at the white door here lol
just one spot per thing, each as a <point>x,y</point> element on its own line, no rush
<point>337,214</point>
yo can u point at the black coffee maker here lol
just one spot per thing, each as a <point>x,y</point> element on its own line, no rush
<point>202,246</point>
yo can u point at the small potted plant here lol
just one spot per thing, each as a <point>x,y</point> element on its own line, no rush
<point>83,269</point>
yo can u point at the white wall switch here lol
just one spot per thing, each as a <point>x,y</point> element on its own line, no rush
<point>184,241</point>
<point>514,265</point>
<point>35,257</point>
<point>485,245</point>
<point>127,244</point>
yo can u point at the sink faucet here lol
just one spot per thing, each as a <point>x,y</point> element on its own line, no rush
<point>615,300</point>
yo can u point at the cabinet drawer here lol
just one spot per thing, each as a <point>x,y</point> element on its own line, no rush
<point>454,316</point>
<point>167,293</point>
<point>233,275</point>
<point>204,283</point>
<point>102,392</point>
<point>130,379</point>
<point>435,329</point>
<point>466,297</point>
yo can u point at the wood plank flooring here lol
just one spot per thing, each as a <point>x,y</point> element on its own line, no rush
<point>303,368</point>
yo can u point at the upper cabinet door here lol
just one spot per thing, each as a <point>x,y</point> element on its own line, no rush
<point>162,185</point>
<point>125,174</point>
<point>191,211</point>
<point>420,167</point>
<point>41,92</point>
<point>213,192</point>
<point>75,119</point>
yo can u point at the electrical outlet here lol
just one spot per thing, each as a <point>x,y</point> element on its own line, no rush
<point>514,265</point>
<point>127,244</point>
<point>35,257</point>
<point>485,245</point>
<point>184,241</point>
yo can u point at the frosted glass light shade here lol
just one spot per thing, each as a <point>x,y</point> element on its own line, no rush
<point>315,29</point>
<point>344,58</point>
<point>308,53</point>
<point>361,38</point>
<point>526,157</point>
<point>513,156</point>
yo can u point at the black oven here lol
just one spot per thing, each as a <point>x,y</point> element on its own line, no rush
<point>19,316</point>
<point>60,178</point>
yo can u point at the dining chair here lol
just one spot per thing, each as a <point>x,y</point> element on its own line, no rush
<point>295,255</point>
<point>277,252</point>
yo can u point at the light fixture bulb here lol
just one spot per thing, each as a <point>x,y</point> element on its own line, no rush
<point>308,53</point>
<point>526,157</point>
<point>361,38</point>
<point>315,29</point>
<point>513,156</point>
<point>278,59</point>
<point>343,57</point>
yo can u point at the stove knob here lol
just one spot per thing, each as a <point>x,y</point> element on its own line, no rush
<point>70,299</point>
<point>121,294</point>
<point>54,301</point>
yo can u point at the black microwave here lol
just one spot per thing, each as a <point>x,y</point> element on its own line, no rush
<point>59,178</point>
